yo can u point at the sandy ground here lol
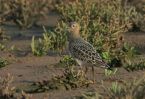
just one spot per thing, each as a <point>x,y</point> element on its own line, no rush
<point>26,68</point>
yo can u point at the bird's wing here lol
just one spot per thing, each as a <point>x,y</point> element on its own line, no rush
<point>86,52</point>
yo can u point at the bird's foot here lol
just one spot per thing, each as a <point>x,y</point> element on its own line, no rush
<point>92,82</point>
<point>81,73</point>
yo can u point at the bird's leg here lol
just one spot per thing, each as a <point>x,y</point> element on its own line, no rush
<point>86,70</point>
<point>80,72</point>
<point>93,73</point>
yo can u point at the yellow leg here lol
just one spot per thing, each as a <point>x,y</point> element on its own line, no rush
<point>93,73</point>
<point>80,72</point>
<point>86,70</point>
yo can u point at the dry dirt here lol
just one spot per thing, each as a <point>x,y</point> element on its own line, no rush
<point>26,68</point>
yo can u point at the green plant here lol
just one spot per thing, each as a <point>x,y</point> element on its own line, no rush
<point>89,95</point>
<point>130,58</point>
<point>6,92</point>
<point>3,62</point>
<point>66,61</point>
<point>58,36</point>
<point>24,95</point>
<point>24,13</point>
<point>115,89</point>
<point>3,38</point>
<point>51,40</point>
<point>41,46</point>
<point>102,24</point>
<point>110,72</point>
<point>2,34</point>
<point>28,12</point>
<point>128,52</point>
<point>141,8</point>
<point>9,92</point>
<point>127,90</point>
<point>70,79</point>
<point>2,47</point>
<point>132,66</point>
<point>131,90</point>
<point>4,10</point>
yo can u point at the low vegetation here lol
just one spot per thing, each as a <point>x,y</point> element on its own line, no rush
<point>2,47</point>
<point>40,47</point>
<point>7,91</point>
<point>3,35</point>
<point>127,90</point>
<point>102,24</point>
<point>3,62</point>
<point>67,62</point>
<point>24,13</point>
<point>3,38</point>
<point>70,79</point>
<point>132,90</point>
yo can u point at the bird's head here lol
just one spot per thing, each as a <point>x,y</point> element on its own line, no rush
<point>73,29</point>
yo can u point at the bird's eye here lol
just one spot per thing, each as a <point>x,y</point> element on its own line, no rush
<point>73,26</point>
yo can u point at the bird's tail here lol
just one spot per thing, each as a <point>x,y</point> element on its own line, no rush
<point>105,65</point>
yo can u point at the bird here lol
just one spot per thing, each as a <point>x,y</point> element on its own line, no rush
<point>81,50</point>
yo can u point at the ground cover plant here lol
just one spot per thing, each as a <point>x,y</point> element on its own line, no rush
<point>9,92</point>
<point>3,62</point>
<point>24,13</point>
<point>3,38</point>
<point>41,47</point>
<point>6,91</point>
<point>67,61</point>
<point>102,24</point>
<point>70,79</point>
<point>126,90</point>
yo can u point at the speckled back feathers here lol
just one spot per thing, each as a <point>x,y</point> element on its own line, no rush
<point>83,50</point>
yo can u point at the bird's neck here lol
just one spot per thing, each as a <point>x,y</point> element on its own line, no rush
<point>76,34</point>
